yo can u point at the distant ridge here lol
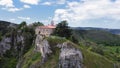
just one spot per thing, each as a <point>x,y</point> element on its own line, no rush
<point>113,31</point>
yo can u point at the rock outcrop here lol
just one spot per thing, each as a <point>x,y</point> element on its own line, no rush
<point>11,42</point>
<point>42,46</point>
<point>69,57</point>
<point>4,45</point>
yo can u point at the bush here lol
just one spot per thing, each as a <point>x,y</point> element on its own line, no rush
<point>98,49</point>
<point>36,56</point>
<point>8,62</point>
<point>118,58</point>
<point>53,40</point>
<point>73,39</point>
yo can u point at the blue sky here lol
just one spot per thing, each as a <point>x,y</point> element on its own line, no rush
<point>84,13</point>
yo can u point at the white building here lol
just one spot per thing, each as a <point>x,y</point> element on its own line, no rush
<point>45,30</point>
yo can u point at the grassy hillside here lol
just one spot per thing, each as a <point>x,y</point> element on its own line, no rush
<point>33,59</point>
<point>97,36</point>
<point>94,60</point>
<point>30,58</point>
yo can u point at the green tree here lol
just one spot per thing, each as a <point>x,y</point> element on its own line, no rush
<point>22,25</point>
<point>38,24</point>
<point>63,30</point>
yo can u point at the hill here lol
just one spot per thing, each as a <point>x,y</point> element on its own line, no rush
<point>113,31</point>
<point>5,26</point>
<point>98,36</point>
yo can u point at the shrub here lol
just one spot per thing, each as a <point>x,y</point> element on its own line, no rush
<point>53,40</point>
<point>98,49</point>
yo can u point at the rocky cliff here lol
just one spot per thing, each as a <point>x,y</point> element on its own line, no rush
<point>15,41</point>
<point>68,55</point>
<point>42,46</point>
<point>12,43</point>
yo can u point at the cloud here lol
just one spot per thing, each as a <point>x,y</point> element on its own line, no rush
<point>24,18</point>
<point>85,10</point>
<point>61,1</point>
<point>12,19</point>
<point>9,6</point>
<point>12,9</point>
<point>32,2</point>
<point>6,3</point>
<point>47,3</point>
<point>55,2</point>
<point>26,6</point>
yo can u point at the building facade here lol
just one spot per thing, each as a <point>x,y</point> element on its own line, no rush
<point>45,30</point>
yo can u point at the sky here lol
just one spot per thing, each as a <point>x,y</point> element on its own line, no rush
<point>78,13</point>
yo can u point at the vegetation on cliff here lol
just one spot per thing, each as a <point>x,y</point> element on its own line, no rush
<point>20,38</point>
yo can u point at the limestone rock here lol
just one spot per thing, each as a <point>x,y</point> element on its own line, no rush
<point>70,57</point>
<point>42,46</point>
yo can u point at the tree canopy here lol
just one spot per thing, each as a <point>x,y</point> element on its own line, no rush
<point>62,29</point>
<point>38,24</point>
<point>22,25</point>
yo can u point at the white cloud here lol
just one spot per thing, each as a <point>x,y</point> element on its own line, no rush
<point>12,19</point>
<point>61,1</point>
<point>55,2</point>
<point>33,2</point>
<point>6,3</point>
<point>77,12</point>
<point>12,9</point>
<point>47,3</point>
<point>9,6</point>
<point>26,6</point>
<point>24,18</point>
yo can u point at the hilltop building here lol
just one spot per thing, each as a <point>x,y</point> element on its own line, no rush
<point>45,30</point>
